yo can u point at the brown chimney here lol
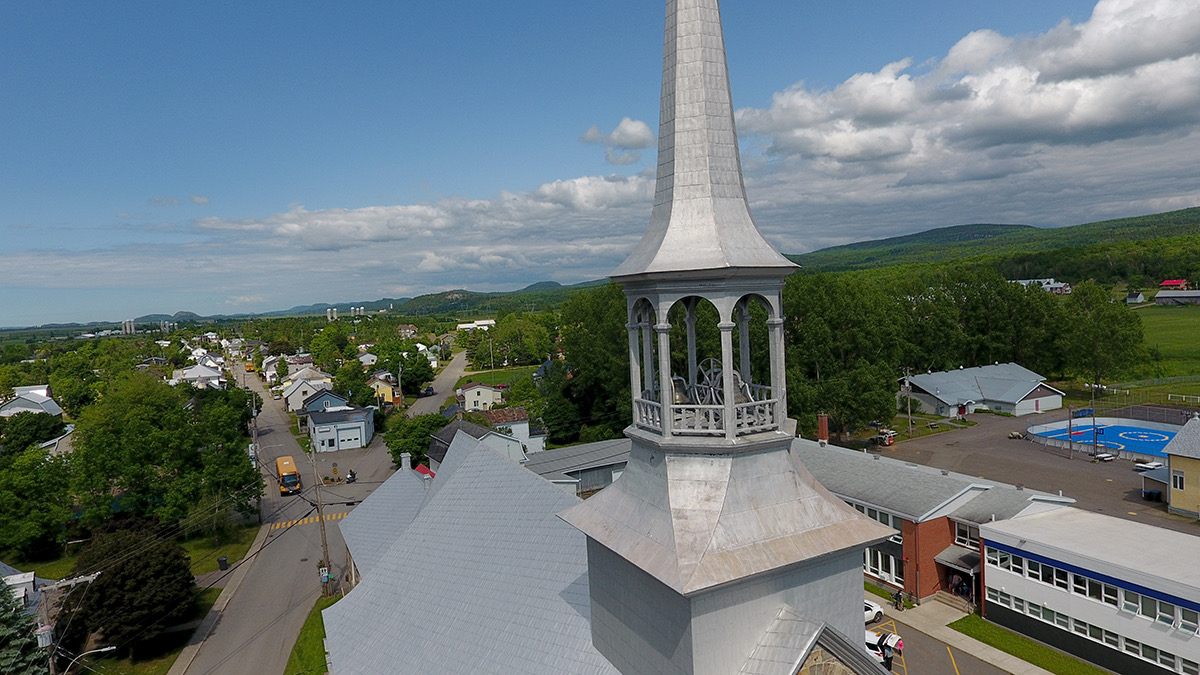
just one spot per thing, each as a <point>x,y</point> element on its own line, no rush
<point>822,428</point>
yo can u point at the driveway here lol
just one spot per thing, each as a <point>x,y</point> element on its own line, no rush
<point>986,451</point>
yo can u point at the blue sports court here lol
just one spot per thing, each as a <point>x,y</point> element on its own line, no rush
<point>1115,437</point>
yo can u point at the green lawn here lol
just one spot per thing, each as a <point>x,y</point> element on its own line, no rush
<point>498,376</point>
<point>204,551</point>
<point>1023,648</point>
<point>1173,331</point>
<point>308,654</point>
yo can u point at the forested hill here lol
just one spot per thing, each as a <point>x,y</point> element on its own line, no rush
<point>998,241</point>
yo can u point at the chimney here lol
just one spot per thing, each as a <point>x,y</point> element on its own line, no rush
<point>428,480</point>
<point>406,461</point>
<point>823,429</point>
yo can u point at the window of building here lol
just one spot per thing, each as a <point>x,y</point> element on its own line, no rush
<point>1189,620</point>
<point>1176,480</point>
<point>1133,646</point>
<point>1189,667</point>
<point>1166,613</point>
<point>1130,602</point>
<point>966,535</point>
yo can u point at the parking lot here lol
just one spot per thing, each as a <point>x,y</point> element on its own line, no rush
<point>925,655</point>
<point>986,451</point>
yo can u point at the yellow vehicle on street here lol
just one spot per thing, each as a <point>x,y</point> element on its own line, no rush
<point>289,477</point>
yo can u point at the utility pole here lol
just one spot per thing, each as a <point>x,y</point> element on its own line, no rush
<point>908,396</point>
<point>321,521</point>
<point>1070,437</point>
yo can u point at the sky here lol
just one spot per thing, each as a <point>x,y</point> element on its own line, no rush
<point>224,158</point>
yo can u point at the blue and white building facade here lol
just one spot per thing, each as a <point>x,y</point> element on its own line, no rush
<point>1118,593</point>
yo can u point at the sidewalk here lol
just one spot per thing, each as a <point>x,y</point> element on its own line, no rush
<point>931,618</point>
<point>185,658</point>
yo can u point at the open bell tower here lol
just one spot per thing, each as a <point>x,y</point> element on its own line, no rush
<point>715,531</point>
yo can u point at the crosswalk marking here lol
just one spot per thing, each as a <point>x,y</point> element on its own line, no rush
<point>305,521</point>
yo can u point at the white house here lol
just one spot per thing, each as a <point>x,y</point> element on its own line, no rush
<point>341,428</point>
<point>480,324</point>
<point>515,422</point>
<point>30,401</point>
<point>368,360</point>
<point>294,395</point>
<point>477,396</point>
<point>199,376</point>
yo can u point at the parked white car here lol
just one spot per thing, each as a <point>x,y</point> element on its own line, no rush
<point>872,612</point>
<point>875,642</point>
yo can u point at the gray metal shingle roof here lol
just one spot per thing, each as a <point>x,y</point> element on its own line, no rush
<point>373,526</point>
<point>1187,440</point>
<point>1006,382</point>
<point>579,457</point>
<point>485,579</point>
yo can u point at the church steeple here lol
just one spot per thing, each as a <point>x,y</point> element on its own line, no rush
<point>715,527</point>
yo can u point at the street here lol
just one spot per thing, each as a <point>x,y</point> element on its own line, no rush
<point>257,629</point>
<point>443,386</point>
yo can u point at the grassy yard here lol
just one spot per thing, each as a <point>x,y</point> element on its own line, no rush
<point>1023,648</point>
<point>498,376</point>
<point>204,551</point>
<point>308,654</point>
<point>1172,331</point>
<point>160,653</point>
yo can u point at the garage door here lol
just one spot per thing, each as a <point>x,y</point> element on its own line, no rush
<point>349,438</point>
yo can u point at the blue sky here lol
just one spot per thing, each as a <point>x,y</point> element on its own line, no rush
<point>227,158</point>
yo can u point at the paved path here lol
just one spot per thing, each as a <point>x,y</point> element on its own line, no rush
<point>931,618</point>
<point>443,386</point>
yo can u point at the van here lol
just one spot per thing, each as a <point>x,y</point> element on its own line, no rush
<point>289,476</point>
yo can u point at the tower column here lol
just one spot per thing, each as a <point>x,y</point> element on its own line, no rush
<point>647,357</point>
<point>690,306</point>
<point>727,417</point>
<point>778,375</point>
<point>635,369</point>
<point>743,318</point>
<point>665,399</point>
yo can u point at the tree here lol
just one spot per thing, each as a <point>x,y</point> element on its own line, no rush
<point>281,369</point>
<point>415,372</point>
<point>146,586</point>
<point>596,344</point>
<point>350,381</point>
<point>411,435</point>
<point>1103,337</point>
<point>28,428</point>
<point>35,503</point>
<point>19,651</point>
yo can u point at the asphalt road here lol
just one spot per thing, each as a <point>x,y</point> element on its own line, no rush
<point>256,631</point>
<point>443,386</point>
<point>923,655</point>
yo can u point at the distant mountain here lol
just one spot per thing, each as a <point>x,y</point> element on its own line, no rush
<point>968,241</point>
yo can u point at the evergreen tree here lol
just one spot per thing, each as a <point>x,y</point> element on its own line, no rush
<point>19,653</point>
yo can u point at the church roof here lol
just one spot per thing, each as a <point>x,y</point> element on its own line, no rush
<point>701,220</point>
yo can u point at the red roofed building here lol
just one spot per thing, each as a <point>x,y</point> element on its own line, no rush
<point>1174,285</point>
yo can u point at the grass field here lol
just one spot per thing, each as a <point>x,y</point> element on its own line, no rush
<point>308,654</point>
<point>498,376</point>
<point>1172,331</point>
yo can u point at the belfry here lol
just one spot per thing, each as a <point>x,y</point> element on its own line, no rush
<point>715,537</point>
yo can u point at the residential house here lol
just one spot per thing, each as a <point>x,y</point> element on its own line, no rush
<point>298,363</point>
<point>477,396</point>
<point>1135,298</point>
<point>479,324</point>
<point>385,390</point>
<point>515,422</point>
<point>30,401</point>
<point>341,428</point>
<point>322,399</point>
<point>406,331</point>
<point>440,442</point>
<point>583,469</point>
<point>24,586</point>
<point>1004,387</point>
<point>1119,593</point>
<point>269,368</point>
<point>295,394</point>
<point>1049,285</point>
<point>1174,285</point>
<point>307,373</point>
<point>1183,462</point>
<point>61,445</point>
<point>199,376</point>
<point>368,360</point>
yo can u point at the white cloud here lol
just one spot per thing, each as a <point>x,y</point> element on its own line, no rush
<point>197,199</point>
<point>622,145</point>
<point>163,201</point>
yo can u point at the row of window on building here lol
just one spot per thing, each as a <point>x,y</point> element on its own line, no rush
<point>1139,649</point>
<point>1154,609</point>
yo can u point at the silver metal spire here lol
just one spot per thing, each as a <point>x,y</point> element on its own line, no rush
<point>701,220</point>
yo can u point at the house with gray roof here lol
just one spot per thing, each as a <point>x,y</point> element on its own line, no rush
<point>1183,462</point>
<point>1002,387</point>
<point>585,468</point>
<point>341,428</point>
<point>30,401</point>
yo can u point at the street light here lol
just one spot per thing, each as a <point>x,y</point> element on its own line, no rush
<point>94,651</point>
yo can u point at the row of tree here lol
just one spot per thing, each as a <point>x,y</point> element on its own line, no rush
<point>851,336</point>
